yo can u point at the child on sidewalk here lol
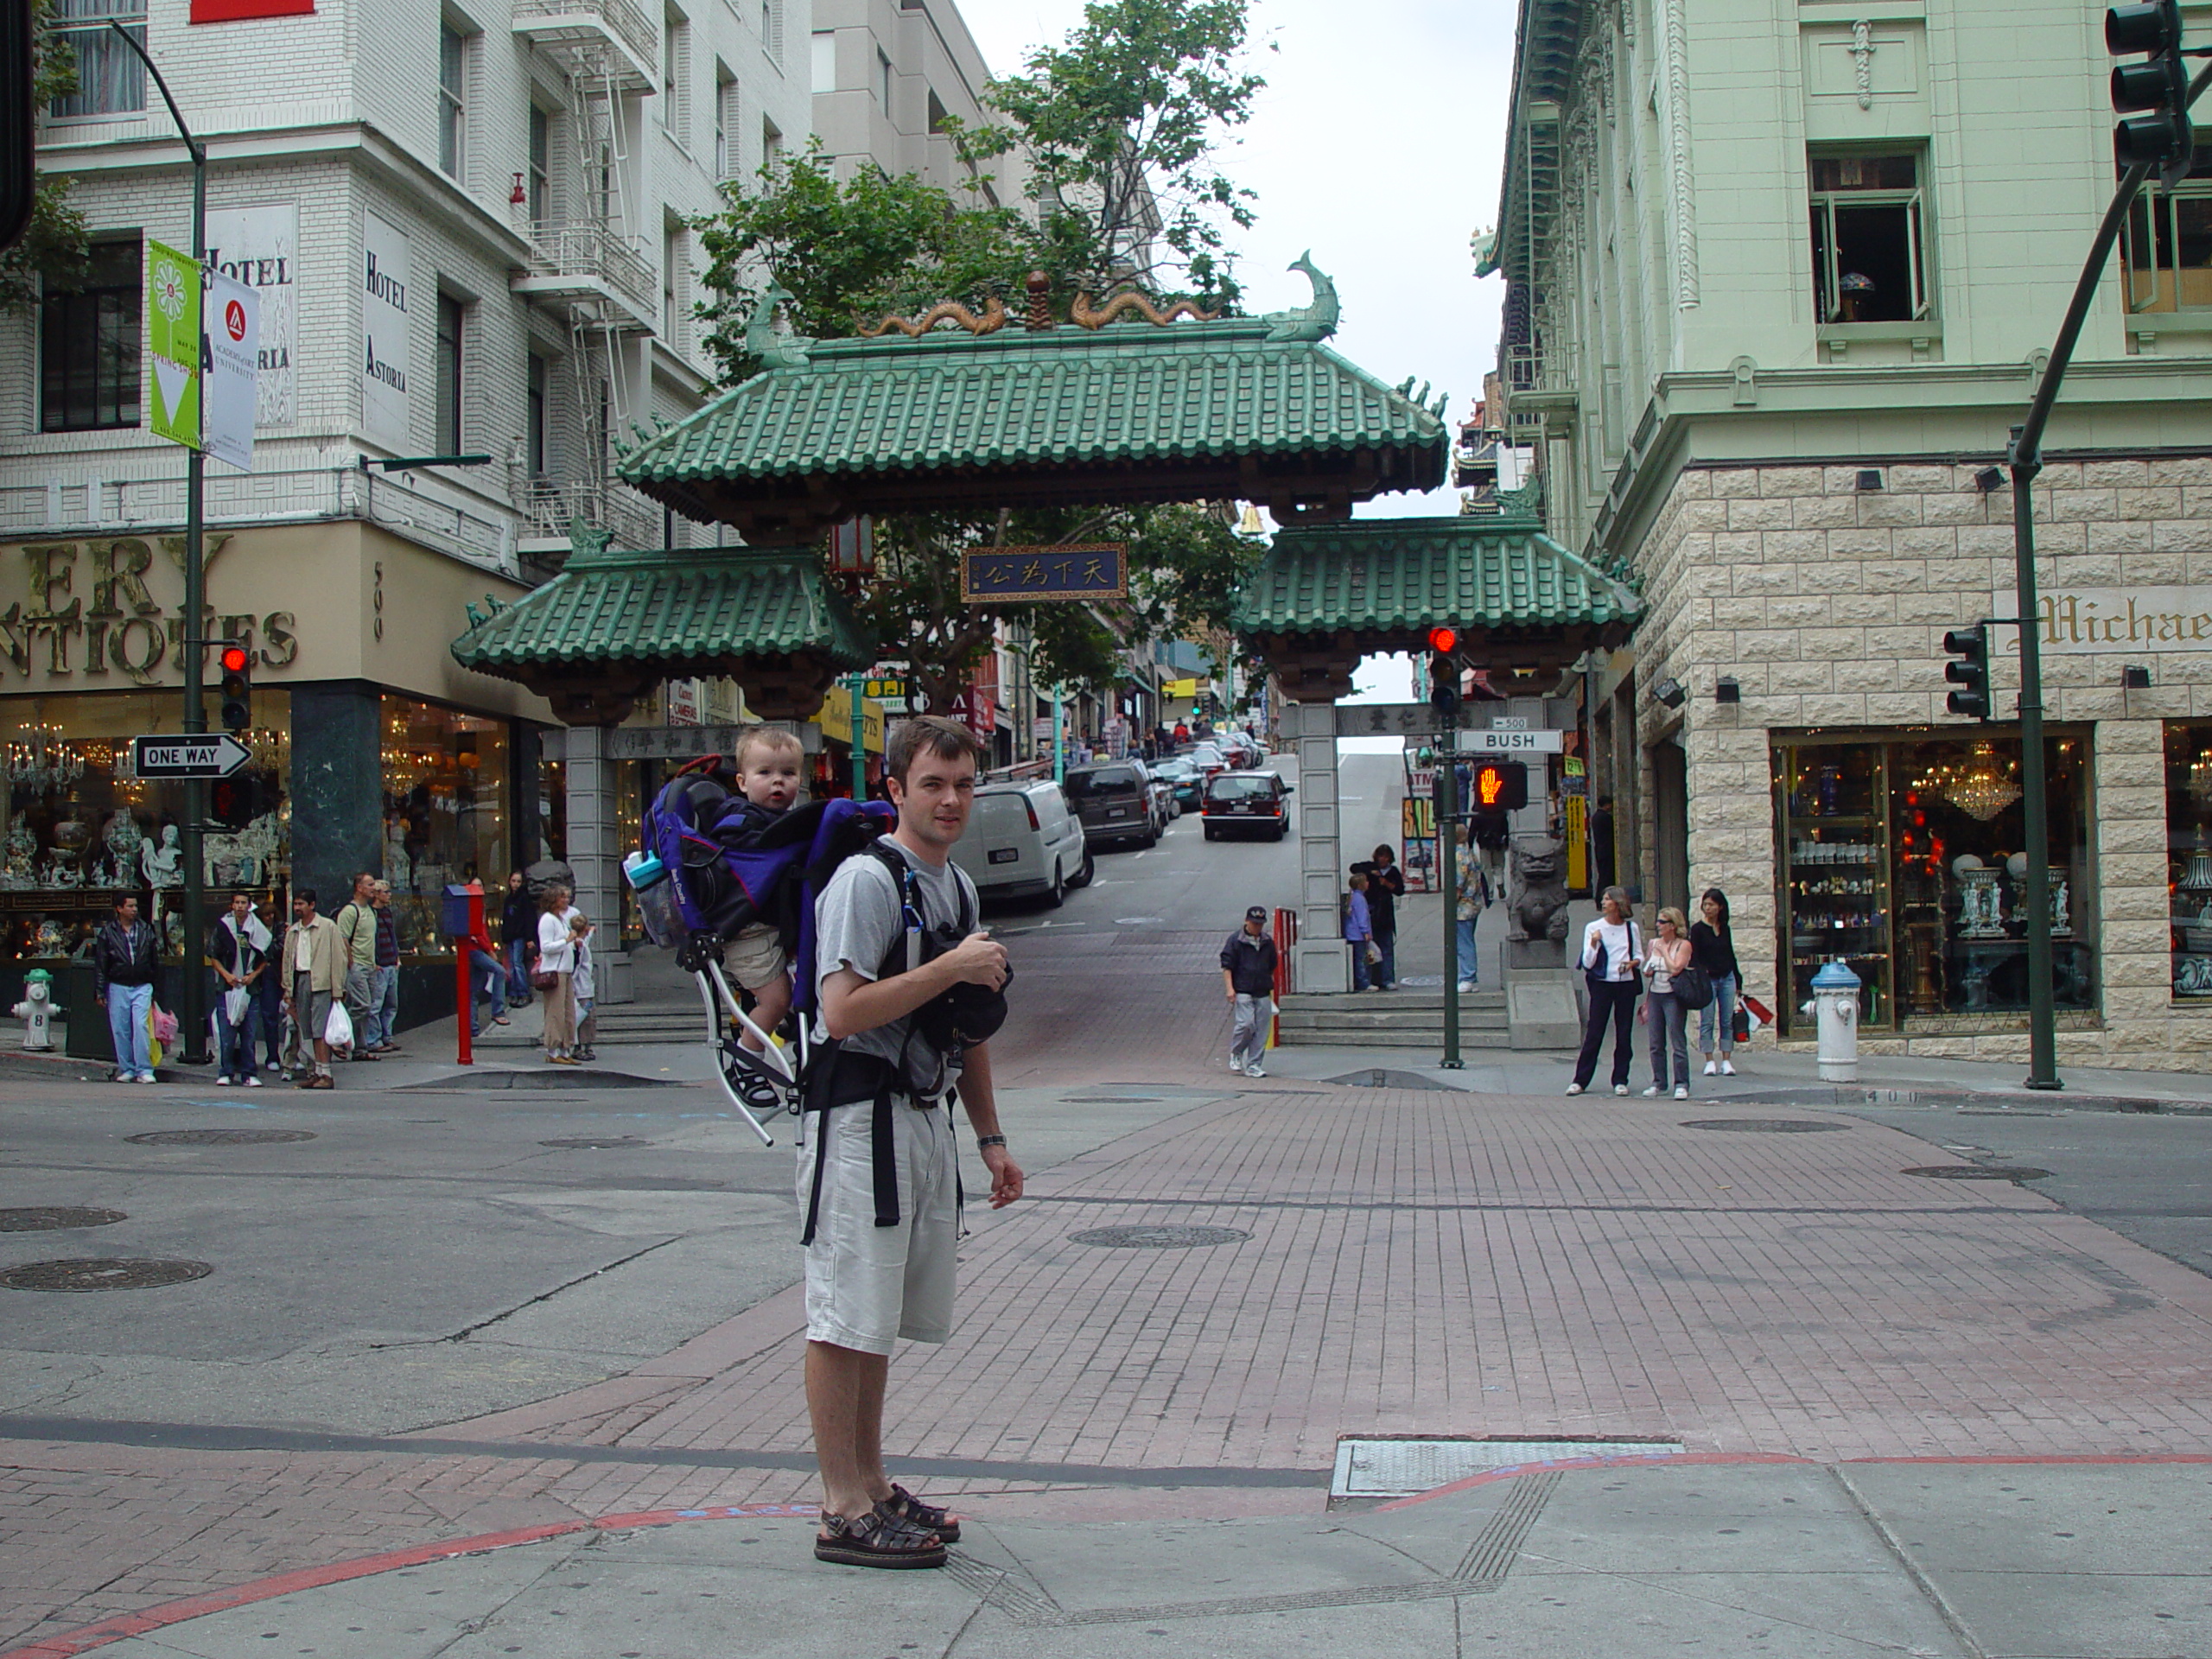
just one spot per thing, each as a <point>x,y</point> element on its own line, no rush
<point>767,762</point>
<point>1359,933</point>
<point>583,983</point>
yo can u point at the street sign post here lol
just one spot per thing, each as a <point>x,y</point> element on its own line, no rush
<point>201,755</point>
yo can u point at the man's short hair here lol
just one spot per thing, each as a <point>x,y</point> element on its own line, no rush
<point>238,894</point>
<point>307,893</point>
<point>765,737</point>
<point>360,876</point>
<point>123,899</point>
<point>948,739</point>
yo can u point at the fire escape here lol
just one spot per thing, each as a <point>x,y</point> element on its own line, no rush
<point>586,267</point>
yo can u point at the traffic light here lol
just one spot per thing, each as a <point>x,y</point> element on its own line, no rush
<point>234,801</point>
<point>236,663</point>
<point>2154,93</point>
<point>1970,673</point>
<point>1499,786</point>
<point>1443,674</point>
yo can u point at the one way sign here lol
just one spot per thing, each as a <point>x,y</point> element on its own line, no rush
<point>217,756</point>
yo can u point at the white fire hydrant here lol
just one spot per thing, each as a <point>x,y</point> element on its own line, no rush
<point>1835,1000</point>
<point>36,1009</point>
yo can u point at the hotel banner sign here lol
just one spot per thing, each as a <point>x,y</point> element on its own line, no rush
<point>2083,620</point>
<point>995,575</point>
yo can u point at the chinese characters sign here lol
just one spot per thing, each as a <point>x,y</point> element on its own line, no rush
<point>1096,571</point>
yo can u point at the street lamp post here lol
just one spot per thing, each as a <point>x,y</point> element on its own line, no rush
<point>193,1003</point>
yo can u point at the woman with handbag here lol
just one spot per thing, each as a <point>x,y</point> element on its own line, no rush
<point>1665,1007</point>
<point>555,964</point>
<point>1612,951</point>
<point>1713,947</point>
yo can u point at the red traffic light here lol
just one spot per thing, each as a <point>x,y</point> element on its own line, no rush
<point>1443,640</point>
<point>234,659</point>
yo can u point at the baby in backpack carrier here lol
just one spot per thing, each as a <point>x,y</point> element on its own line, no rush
<point>767,762</point>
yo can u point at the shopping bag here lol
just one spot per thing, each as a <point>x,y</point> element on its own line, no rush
<point>338,1030</point>
<point>1760,1014</point>
<point>163,1025</point>
<point>237,1002</point>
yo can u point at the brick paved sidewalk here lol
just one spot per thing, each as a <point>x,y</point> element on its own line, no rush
<point>1419,1263</point>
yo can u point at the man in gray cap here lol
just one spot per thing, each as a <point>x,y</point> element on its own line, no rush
<point>1248,972</point>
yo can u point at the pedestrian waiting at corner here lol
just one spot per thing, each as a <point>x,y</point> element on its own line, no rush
<point>1611,961</point>
<point>1665,1009</point>
<point>1386,885</point>
<point>1248,974</point>
<point>1472,898</point>
<point>126,959</point>
<point>1359,933</point>
<point>1713,947</point>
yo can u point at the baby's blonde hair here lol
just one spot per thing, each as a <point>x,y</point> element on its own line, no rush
<point>773,737</point>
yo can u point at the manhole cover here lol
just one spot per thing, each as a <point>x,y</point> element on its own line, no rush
<point>1977,1172</point>
<point>595,1143</point>
<point>217,1137</point>
<point>96,1273</point>
<point>51,1219</point>
<point>1764,1125</point>
<point>1157,1238</point>
<point>1380,1468</point>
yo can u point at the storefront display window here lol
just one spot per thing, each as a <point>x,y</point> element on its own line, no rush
<point>2189,854</point>
<point>80,828</point>
<point>445,811</point>
<point>1903,858</point>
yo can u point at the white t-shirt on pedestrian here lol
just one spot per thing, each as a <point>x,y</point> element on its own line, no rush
<point>1609,944</point>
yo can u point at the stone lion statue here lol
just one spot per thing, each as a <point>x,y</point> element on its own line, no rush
<point>1538,907</point>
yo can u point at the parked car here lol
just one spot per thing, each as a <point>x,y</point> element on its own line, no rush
<point>1113,800</point>
<point>1208,758</point>
<point>1184,780</point>
<point>1022,839</point>
<point>1247,803</point>
<point>1165,808</point>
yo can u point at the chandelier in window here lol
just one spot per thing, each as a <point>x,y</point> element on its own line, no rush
<point>2200,779</point>
<point>40,760</point>
<point>1982,790</point>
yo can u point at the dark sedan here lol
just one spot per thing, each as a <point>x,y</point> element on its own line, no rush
<point>1247,803</point>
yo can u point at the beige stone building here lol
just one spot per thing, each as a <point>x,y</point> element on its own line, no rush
<point>1779,277</point>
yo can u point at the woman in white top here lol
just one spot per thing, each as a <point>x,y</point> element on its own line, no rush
<point>1612,952</point>
<point>557,956</point>
<point>1669,956</point>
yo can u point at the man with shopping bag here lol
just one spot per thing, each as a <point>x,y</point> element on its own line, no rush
<point>313,972</point>
<point>237,949</point>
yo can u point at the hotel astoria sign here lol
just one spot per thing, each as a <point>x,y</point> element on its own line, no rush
<point>85,613</point>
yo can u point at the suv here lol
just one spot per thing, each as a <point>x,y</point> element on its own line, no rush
<point>1022,839</point>
<point>1114,800</point>
<point>1247,803</point>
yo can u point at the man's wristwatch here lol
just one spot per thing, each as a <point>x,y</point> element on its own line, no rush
<point>983,1142</point>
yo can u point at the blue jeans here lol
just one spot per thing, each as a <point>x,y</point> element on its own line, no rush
<point>269,1003</point>
<point>1670,1052</point>
<point>236,1056</point>
<point>1470,963</point>
<point>1385,972</point>
<point>518,987</point>
<point>487,978</point>
<point>1720,1011</point>
<point>1360,970</point>
<point>383,1005</point>
<point>127,1008</point>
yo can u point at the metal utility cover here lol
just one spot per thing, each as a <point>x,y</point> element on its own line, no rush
<point>1404,1468</point>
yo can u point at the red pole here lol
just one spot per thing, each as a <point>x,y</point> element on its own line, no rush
<point>460,953</point>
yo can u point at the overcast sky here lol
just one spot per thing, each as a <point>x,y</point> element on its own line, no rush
<point>1377,144</point>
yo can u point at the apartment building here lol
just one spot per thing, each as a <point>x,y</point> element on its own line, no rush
<point>466,224</point>
<point>1780,274</point>
<point>888,75</point>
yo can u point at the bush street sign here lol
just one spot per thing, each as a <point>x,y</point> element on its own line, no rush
<point>216,756</point>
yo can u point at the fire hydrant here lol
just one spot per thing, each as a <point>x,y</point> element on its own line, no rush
<point>1835,1000</point>
<point>36,1009</point>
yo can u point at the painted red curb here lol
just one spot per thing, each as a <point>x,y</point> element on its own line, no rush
<point>124,1625</point>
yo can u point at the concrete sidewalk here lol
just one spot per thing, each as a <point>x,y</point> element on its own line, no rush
<point>2084,1560</point>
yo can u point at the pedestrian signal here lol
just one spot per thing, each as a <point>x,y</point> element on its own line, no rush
<point>1499,786</point>
<point>237,663</point>
<point>233,802</point>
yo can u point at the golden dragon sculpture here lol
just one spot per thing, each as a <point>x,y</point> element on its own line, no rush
<point>1083,316</point>
<point>994,318</point>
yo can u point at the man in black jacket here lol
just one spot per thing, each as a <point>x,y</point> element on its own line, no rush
<point>1386,885</point>
<point>1248,972</point>
<point>126,956</point>
<point>518,937</point>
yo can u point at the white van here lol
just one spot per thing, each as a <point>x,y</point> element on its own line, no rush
<point>1022,839</point>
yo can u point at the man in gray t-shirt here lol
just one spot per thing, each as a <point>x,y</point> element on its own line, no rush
<point>872,1280</point>
<point>859,925</point>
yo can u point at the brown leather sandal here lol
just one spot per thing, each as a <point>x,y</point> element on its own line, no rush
<point>880,1538</point>
<point>905,1504</point>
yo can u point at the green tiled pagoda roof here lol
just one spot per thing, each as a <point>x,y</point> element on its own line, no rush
<point>1130,412</point>
<point>1399,576</point>
<point>686,612</point>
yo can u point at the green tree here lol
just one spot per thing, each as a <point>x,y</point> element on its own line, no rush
<point>1120,128</point>
<point>53,251</point>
